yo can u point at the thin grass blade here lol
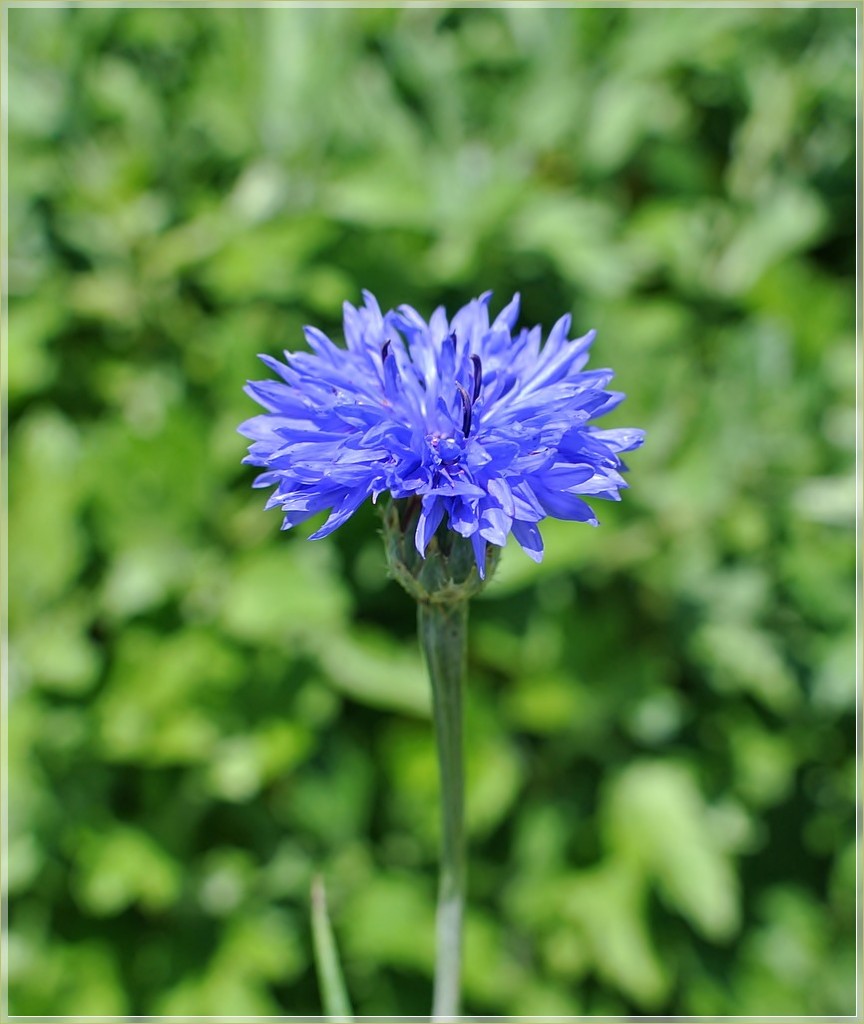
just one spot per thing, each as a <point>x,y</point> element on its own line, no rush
<point>334,995</point>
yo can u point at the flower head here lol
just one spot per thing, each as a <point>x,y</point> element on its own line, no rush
<point>486,427</point>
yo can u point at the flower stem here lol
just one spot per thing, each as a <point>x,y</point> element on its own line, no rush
<point>443,632</point>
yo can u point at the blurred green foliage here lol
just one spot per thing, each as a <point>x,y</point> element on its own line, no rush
<point>206,712</point>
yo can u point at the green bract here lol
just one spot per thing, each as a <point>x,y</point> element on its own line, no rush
<point>448,574</point>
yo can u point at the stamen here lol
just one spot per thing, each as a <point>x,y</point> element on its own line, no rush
<point>466,408</point>
<point>478,377</point>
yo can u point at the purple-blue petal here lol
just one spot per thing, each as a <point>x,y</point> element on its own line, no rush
<point>430,519</point>
<point>529,539</point>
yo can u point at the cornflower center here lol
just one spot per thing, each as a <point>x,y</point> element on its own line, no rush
<point>445,450</point>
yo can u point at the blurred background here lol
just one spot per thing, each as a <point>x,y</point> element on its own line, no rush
<point>206,711</point>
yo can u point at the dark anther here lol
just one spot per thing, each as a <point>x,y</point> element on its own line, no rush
<point>466,408</point>
<point>385,351</point>
<point>478,377</point>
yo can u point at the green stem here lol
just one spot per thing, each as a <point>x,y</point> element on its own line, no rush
<point>443,632</point>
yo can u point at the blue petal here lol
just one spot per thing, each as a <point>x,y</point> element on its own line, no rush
<point>463,517</point>
<point>351,502</point>
<point>320,343</point>
<point>409,317</point>
<point>392,381</point>
<point>262,428</point>
<point>508,316</point>
<point>479,545</point>
<point>561,476</point>
<point>561,505</point>
<point>275,365</point>
<point>429,521</point>
<point>528,536</point>
<point>495,525</point>
<point>499,489</point>
<point>371,302</point>
<point>273,395</point>
<point>622,439</point>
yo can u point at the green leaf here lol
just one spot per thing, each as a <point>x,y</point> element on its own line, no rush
<point>392,922</point>
<point>125,867</point>
<point>741,657</point>
<point>608,903</point>
<point>656,819</point>
<point>283,591</point>
<point>368,667</point>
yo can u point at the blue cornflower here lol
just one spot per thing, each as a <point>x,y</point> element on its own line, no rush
<point>487,429</point>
